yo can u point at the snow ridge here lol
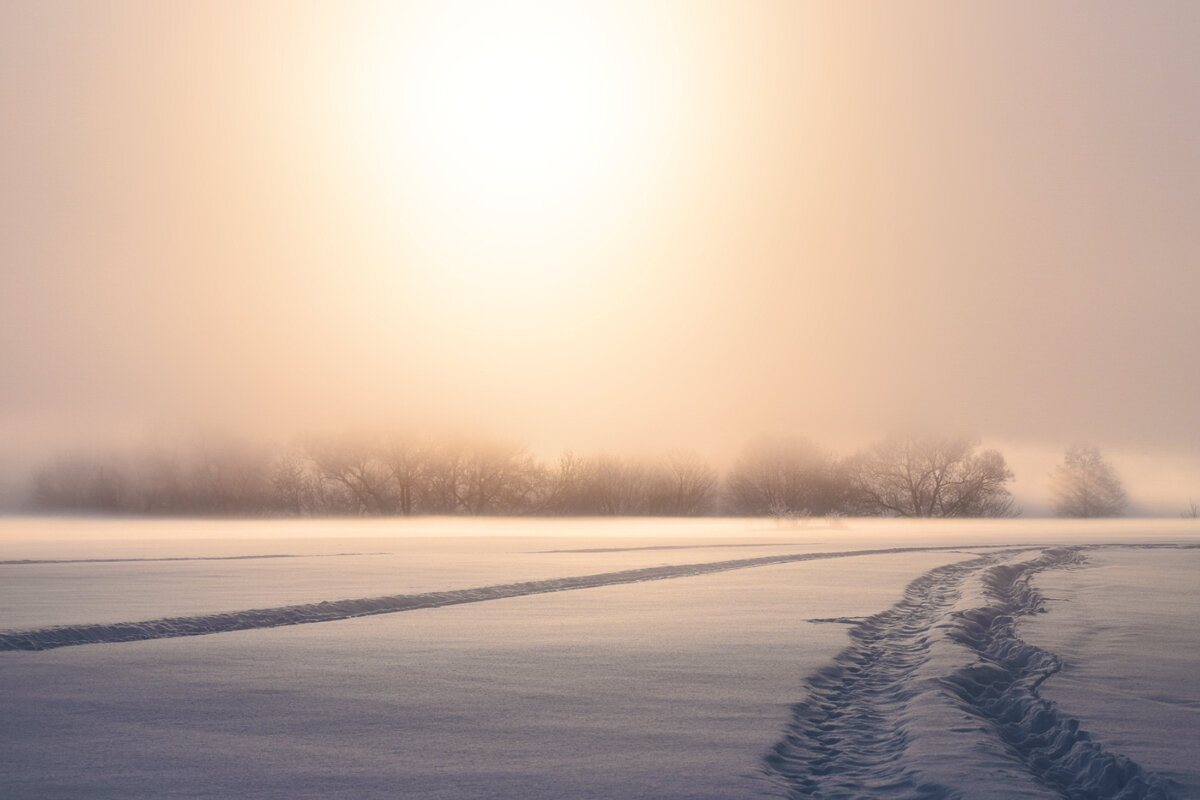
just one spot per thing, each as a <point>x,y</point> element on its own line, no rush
<point>674,547</point>
<point>328,611</point>
<point>1002,690</point>
<point>20,562</point>
<point>848,739</point>
<point>854,734</point>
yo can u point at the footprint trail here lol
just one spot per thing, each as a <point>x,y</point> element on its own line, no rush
<point>855,733</point>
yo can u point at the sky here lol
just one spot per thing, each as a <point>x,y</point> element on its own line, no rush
<point>609,226</point>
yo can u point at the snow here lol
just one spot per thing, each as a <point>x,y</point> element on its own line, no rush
<point>1125,627</point>
<point>698,684</point>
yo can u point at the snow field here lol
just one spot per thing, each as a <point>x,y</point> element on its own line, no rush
<point>681,660</point>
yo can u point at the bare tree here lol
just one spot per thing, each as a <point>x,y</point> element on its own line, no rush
<point>933,476</point>
<point>295,488</point>
<point>408,460</point>
<point>157,479</point>
<point>225,477</point>
<point>497,478</point>
<point>377,475</point>
<point>480,477</point>
<point>609,486</point>
<point>354,467</point>
<point>1085,485</point>
<point>564,486</point>
<point>681,485</point>
<point>784,476</point>
<point>444,463</point>
<point>1192,512</point>
<point>81,484</point>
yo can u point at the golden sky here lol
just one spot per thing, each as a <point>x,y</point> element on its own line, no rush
<point>637,225</point>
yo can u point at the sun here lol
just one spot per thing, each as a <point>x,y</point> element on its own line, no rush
<point>510,130</point>
<point>518,119</point>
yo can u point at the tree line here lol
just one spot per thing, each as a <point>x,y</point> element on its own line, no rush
<point>781,476</point>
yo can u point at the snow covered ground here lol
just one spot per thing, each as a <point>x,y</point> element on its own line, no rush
<point>598,659</point>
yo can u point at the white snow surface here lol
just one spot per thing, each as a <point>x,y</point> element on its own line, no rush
<point>598,659</point>
<point>1127,628</point>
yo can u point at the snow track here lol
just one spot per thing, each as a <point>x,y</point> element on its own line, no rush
<point>328,611</point>
<point>851,737</point>
<point>1002,690</point>
<point>30,561</point>
<point>848,739</point>
<point>934,697</point>
<point>674,547</point>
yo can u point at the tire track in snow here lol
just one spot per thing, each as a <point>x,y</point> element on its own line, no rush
<point>1002,690</point>
<point>329,611</point>
<point>849,737</point>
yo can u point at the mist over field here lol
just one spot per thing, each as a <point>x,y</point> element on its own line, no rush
<point>604,227</point>
<point>447,399</point>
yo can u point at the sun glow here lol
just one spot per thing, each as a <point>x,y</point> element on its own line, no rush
<point>513,132</point>
<point>521,124</point>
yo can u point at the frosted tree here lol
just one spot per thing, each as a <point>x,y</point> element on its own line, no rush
<point>682,485</point>
<point>1085,485</point>
<point>933,476</point>
<point>352,468</point>
<point>784,477</point>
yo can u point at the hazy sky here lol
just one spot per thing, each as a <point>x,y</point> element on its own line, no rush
<point>602,225</point>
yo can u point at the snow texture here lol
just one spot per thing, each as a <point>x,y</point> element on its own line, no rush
<point>850,737</point>
<point>27,561</point>
<point>642,686</point>
<point>332,610</point>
